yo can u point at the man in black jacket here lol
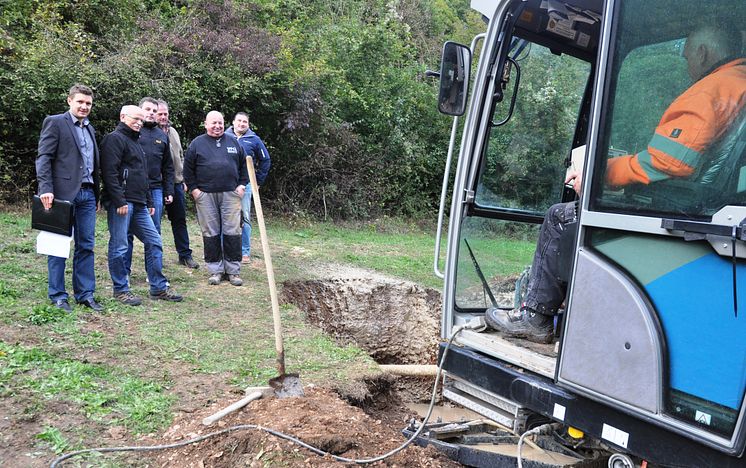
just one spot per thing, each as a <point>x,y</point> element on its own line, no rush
<point>129,206</point>
<point>216,176</point>
<point>67,169</point>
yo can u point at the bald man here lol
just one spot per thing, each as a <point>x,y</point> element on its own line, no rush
<point>216,176</point>
<point>129,208</point>
<point>694,121</point>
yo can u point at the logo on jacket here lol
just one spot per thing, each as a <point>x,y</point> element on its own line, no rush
<point>158,142</point>
<point>232,149</point>
<point>676,132</point>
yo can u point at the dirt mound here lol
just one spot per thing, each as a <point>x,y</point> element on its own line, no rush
<point>321,419</point>
<point>395,322</point>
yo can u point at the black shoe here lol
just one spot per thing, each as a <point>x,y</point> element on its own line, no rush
<point>62,304</point>
<point>189,262</point>
<point>92,304</point>
<point>167,294</point>
<point>128,298</point>
<point>524,323</point>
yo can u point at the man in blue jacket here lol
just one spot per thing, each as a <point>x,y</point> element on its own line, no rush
<point>253,146</point>
<point>216,176</point>
<point>67,168</point>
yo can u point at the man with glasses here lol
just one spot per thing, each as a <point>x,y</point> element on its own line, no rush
<point>67,168</point>
<point>130,207</point>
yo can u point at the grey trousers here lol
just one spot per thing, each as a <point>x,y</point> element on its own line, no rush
<point>219,216</point>
<point>546,291</point>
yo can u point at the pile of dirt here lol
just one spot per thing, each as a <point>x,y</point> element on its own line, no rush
<point>320,418</point>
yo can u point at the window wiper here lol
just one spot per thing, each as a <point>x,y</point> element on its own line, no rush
<point>485,286</point>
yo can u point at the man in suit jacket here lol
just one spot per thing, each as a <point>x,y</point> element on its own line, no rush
<point>67,168</point>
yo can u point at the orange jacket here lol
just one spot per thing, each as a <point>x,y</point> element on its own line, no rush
<point>692,122</point>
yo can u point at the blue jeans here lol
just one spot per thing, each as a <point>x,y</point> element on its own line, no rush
<point>84,229</point>
<point>157,195</point>
<point>138,221</point>
<point>246,218</point>
<point>176,212</point>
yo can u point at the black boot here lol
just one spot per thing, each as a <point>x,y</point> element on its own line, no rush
<point>523,323</point>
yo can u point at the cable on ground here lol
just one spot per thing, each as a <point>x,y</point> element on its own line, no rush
<point>474,324</point>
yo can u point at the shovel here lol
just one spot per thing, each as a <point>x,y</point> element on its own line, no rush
<point>285,385</point>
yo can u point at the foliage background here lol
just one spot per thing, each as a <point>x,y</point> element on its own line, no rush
<point>336,89</point>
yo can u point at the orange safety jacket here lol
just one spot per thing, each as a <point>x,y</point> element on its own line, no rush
<point>693,121</point>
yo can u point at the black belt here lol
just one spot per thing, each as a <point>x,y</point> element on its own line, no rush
<point>86,185</point>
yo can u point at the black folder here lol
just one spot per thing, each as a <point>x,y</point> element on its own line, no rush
<point>58,219</point>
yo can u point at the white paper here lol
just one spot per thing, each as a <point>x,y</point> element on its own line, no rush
<point>57,245</point>
<point>577,160</point>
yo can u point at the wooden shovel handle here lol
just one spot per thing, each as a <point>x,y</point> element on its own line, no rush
<point>268,264</point>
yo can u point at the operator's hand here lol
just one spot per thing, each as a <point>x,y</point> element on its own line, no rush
<point>169,199</point>
<point>574,178</point>
<point>46,200</point>
<point>151,210</point>
<point>241,190</point>
<point>122,210</point>
<point>196,193</point>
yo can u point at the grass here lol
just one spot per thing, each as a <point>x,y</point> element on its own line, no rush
<point>68,378</point>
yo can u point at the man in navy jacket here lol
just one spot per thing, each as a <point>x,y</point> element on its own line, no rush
<point>67,168</point>
<point>216,176</point>
<point>253,146</point>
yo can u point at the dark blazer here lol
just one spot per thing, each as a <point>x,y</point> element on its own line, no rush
<point>59,161</point>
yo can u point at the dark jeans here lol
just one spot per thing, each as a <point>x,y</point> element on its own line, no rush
<point>157,195</point>
<point>176,212</point>
<point>546,291</point>
<point>138,222</point>
<point>84,229</point>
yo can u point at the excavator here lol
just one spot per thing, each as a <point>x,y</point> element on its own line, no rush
<point>649,357</point>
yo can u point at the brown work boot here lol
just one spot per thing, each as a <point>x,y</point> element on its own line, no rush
<point>523,323</point>
<point>235,280</point>
<point>215,279</point>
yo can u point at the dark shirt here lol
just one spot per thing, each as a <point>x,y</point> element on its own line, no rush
<point>155,144</point>
<point>215,164</point>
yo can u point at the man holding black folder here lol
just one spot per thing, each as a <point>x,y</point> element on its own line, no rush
<point>67,167</point>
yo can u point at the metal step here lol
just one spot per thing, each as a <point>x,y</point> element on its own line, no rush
<point>489,405</point>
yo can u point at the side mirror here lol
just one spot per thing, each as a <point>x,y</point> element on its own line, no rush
<point>455,69</point>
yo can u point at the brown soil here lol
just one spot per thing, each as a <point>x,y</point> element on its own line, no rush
<point>320,418</point>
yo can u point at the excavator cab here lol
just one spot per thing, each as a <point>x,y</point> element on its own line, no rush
<point>650,349</point>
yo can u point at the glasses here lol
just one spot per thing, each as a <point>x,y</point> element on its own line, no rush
<point>136,119</point>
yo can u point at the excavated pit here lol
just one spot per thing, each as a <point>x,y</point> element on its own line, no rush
<point>395,322</point>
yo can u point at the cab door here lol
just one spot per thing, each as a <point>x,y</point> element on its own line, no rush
<point>656,320</point>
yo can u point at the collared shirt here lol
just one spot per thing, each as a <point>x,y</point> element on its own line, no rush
<point>85,143</point>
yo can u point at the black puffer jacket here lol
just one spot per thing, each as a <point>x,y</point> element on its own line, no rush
<point>124,169</point>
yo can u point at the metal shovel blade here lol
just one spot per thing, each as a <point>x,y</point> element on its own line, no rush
<point>287,385</point>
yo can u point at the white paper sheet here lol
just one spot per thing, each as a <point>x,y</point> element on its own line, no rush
<point>56,245</point>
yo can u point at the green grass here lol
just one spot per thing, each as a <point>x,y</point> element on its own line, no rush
<point>100,391</point>
<point>132,366</point>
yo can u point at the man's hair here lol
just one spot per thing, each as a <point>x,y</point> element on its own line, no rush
<point>725,38</point>
<point>161,102</point>
<point>148,99</point>
<point>242,114</point>
<point>78,88</point>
